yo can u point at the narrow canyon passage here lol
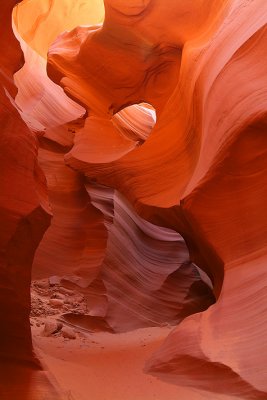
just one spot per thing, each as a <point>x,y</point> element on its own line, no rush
<point>133,223</point>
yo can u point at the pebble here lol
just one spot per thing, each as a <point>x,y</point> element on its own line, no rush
<point>51,327</point>
<point>56,303</point>
<point>54,280</point>
<point>68,333</point>
<point>43,284</point>
<point>65,291</point>
<point>59,296</point>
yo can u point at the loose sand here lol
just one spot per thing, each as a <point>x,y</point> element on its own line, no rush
<point>104,366</point>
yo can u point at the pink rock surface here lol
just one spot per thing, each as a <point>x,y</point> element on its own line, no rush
<point>148,277</point>
<point>200,172</point>
<point>145,137</point>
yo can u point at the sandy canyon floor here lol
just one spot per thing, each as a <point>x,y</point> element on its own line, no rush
<point>98,365</point>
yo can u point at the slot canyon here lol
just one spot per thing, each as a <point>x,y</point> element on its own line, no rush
<point>133,200</point>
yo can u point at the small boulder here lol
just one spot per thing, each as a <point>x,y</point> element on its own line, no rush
<point>51,327</point>
<point>56,303</point>
<point>78,298</point>
<point>59,296</point>
<point>43,284</point>
<point>69,300</point>
<point>54,280</point>
<point>65,291</point>
<point>68,333</point>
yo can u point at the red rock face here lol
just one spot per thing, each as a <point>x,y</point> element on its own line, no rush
<point>11,56</point>
<point>151,133</point>
<point>24,208</point>
<point>211,152</point>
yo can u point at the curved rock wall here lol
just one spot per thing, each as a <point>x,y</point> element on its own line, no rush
<point>24,209</point>
<point>201,171</point>
<point>78,245</point>
<point>125,187</point>
<point>146,271</point>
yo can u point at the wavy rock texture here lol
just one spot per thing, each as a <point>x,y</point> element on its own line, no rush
<point>25,214</point>
<point>85,248</point>
<point>24,217</point>
<point>146,271</point>
<point>41,21</point>
<point>152,128</point>
<point>77,244</point>
<point>201,171</point>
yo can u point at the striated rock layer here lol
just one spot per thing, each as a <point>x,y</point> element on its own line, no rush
<point>79,245</point>
<point>146,271</point>
<point>24,210</point>
<point>152,137</point>
<point>202,170</point>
